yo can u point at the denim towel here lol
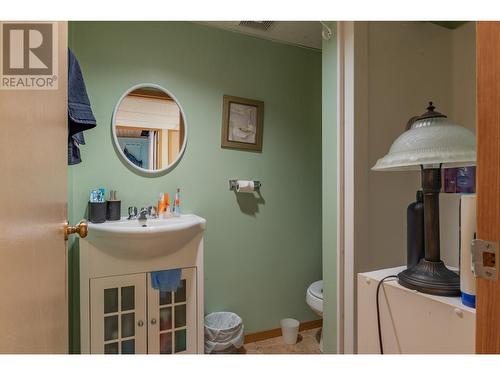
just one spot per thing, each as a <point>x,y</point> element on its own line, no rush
<point>80,116</point>
<point>166,281</point>
<point>132,158</point>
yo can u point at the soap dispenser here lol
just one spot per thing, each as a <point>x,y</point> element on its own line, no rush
<point>113,207</point>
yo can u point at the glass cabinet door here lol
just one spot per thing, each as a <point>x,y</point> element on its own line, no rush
<point>172,317</point>
<point>118,315</point>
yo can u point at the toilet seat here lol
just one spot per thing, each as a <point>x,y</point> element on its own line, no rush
<point>314,297</point>
<point>316,289</point>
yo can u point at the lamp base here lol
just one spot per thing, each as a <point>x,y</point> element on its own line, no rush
<point>431,278</point>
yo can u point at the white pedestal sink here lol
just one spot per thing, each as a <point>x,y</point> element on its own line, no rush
<point>153,237</point>
<point>122,254</point>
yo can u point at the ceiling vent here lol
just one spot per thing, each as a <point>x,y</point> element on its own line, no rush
<point>451,25</point>
<point>258,25</point>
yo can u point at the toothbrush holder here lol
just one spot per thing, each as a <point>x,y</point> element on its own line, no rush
<point>97,212</point>
<point>113,210</point>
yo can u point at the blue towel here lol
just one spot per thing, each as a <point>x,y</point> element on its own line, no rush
<point>166,281</point>
<point>80,116</point>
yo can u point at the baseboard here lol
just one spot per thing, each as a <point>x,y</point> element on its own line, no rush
<point>276,332</point>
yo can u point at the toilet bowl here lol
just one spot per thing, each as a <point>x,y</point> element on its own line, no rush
<point>314,298</point>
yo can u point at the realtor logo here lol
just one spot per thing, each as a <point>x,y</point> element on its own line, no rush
<point>28,58</point>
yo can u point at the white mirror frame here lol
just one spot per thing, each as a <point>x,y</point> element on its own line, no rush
<point>115,138</point>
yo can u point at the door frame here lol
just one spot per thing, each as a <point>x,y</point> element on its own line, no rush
<point>345,187</point>
<point>488,179</point>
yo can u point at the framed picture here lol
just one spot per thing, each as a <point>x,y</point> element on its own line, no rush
<point>242,123</point>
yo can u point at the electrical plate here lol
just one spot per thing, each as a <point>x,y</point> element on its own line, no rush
<point>484,259</point>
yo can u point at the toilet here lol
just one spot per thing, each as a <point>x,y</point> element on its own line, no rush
<point>314,298</point>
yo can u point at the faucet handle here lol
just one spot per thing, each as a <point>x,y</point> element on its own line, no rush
<point>152,212</point>
<point>143,213</point>
<point>132,212</point>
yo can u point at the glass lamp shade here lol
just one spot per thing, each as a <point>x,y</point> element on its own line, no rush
<point>431,140</point>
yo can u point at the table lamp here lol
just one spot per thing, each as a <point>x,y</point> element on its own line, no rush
<point>430,142</point>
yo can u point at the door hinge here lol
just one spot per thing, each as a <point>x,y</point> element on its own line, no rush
<point>484,259</point>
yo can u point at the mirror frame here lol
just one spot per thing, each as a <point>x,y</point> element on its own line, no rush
<point>117,144</point>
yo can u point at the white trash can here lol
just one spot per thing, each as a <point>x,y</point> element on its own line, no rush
<point>223,332</point>
<point>290,330</point>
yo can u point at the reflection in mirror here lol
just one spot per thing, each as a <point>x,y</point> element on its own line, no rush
<point>149,129</point>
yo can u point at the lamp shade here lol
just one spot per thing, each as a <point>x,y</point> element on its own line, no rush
<point>430,140</point>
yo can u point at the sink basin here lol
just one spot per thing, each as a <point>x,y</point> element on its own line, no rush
<point>154,237</point>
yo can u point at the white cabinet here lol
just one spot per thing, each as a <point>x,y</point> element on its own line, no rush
<point>411,322</point>
<point>118,314</point>
<point>128,316</point>
<point>172,317</point>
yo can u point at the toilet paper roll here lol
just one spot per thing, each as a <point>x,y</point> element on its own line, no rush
<point>244,186</point>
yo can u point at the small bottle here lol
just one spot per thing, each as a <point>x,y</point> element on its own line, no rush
<point>415,249</point>
<point>168,211</point>
<point>177,203</point>
<point>161,205</point>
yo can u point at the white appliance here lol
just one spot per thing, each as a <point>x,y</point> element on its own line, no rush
<point>468,224</point>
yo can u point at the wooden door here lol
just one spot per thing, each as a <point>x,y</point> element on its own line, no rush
<point>172,327</point>
<point>33,199</point>
<point>118,315</point>
<point>488,178</point>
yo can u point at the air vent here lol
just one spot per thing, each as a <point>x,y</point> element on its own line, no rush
<point>451,25</point>
<point>258,25</point>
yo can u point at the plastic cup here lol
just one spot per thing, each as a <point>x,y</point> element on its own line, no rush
<point>290,330</point>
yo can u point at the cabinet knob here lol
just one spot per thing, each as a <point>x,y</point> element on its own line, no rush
<point>153,321</point>
<point>140,323</point>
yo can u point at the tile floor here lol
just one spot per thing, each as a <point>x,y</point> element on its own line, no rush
<point>307,343</point>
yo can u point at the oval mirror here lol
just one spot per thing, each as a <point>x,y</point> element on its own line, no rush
<point>149,129</point>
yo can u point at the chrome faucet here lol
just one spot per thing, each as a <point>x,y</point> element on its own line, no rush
<point>132,213</point>
<point>143,214</point>
<point>152,212</point>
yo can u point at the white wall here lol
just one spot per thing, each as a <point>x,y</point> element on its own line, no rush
<point>463,112</point>
<point>400,66</point>
<point>463,79</point>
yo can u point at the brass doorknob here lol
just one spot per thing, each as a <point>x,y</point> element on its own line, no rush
<point>81,228</point>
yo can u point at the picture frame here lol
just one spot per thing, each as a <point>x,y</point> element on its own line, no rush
<point>242,123</point>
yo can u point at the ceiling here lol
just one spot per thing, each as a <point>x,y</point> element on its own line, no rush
<point>299,33</point>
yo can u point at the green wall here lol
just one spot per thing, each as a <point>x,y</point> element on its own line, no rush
<point>329,99</point>
<point>260,254</point>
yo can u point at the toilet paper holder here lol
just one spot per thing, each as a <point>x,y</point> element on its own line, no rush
<point>233,184</point>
